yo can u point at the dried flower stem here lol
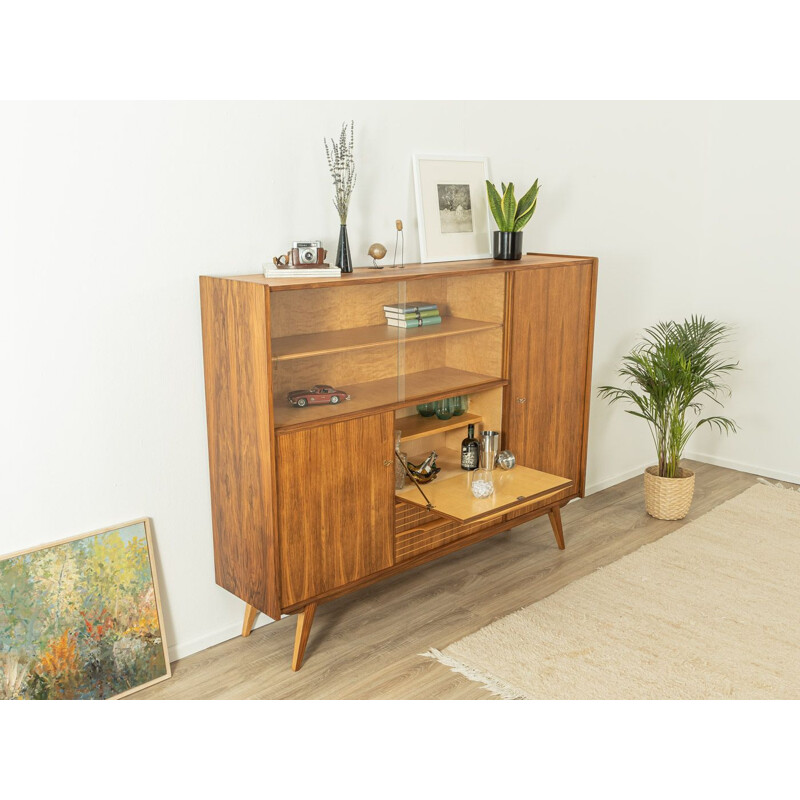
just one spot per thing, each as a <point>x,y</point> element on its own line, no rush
<point>343,170</point>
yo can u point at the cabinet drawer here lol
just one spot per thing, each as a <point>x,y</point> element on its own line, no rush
<point>419,531</point>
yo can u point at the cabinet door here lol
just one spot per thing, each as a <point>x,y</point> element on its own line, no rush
<point>549,368</point>
<point>335,505</point>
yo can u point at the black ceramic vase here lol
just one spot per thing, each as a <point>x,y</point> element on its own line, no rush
<point>507,245</point>
<point>343,251</point>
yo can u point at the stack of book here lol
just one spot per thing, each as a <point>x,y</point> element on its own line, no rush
<point>412,315</point>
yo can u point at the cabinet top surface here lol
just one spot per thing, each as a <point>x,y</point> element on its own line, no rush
<point>367,275</point>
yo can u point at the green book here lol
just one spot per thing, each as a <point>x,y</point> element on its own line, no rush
<point>404,308</point>
<point>414,323</point>
<point>433,312</point>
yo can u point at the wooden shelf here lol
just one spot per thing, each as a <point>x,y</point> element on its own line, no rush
<point>417,427</point>
<point>385,395</point>
<point>451,496</point>
<point>307,345</point>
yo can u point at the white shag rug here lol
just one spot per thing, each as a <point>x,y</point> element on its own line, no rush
<point>711,611</point>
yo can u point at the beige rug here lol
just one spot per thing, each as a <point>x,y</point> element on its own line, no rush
<point>710,611</point>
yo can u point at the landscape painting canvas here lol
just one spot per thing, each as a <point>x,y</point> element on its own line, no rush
<point>80,619</point>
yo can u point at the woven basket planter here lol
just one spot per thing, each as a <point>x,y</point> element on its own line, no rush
<point>668,498</point>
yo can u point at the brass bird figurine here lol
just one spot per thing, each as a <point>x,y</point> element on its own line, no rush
<point>426,471</point>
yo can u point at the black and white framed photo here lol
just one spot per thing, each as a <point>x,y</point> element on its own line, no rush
<point>452,207</point>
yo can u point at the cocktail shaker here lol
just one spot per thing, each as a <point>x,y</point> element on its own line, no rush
<point>490,445</point>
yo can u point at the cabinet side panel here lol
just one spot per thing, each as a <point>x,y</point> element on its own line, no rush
<point>335,504</point>
<point>589,358</point>
<point>236,360</point>
<point>550,368</point>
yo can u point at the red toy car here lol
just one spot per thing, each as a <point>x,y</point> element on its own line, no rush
<point>316,395</point>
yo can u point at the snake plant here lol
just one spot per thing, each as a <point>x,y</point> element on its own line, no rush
<point>509,214</point>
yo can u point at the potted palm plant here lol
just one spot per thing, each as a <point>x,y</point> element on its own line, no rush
<point>511,217</point>
<point>668,374</point>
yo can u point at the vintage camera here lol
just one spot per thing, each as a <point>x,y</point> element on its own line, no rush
<point>307,254</point>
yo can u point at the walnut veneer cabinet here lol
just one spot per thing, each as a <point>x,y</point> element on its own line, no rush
<point>303,499</point>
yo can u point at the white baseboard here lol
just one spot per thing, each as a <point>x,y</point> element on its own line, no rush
<point>754,469</point>
<point>218,636</point>
<point>624,476</point>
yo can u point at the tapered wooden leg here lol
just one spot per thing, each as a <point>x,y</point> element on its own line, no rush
<point>555,520</point>
<point>250,614</point>
<point>304,620</point>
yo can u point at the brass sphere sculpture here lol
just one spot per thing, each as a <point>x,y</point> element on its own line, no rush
<point>377,251</point>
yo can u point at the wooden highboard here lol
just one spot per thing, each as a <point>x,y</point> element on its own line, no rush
<point>304,505</point>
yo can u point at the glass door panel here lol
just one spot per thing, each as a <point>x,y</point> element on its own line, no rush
<point>451,339</point>
<point>342,350</point>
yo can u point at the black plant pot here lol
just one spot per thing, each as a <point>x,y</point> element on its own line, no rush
<point>507,245</point>
<point>343,251</point>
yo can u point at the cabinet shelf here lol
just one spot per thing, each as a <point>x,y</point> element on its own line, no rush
<point>385,395</point>
<point>307,345</point>
<point>417,427</point>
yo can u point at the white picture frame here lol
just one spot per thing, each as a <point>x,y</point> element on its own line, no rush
<point>449,231</point>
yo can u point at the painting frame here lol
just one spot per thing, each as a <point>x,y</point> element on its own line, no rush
<point>135,544</point>
<point>448,238</point>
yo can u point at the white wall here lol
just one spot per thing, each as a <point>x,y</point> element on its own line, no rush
<point>109,212</point>
<point>750,276</point>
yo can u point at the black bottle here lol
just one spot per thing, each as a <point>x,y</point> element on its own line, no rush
<point>470,450</point>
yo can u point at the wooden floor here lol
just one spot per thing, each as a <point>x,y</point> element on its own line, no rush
<point>367,645</point>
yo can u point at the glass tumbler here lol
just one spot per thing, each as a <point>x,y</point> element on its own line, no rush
<point>481,483</point>
<point>400,470</point>
<point>444,408</point>
<point>460,405</point>
<point>400,462</point>
<point>426,409</point>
